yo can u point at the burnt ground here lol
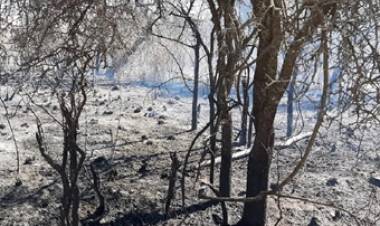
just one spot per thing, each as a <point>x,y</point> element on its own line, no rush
<point>128,134</point>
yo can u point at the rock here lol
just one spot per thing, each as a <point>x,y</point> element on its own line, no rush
<point>164,108</point>
<point>43,203</point>
<point>101,162</point>
<point>171,137</point>
<point>28,161</point>
<point>18,182</point>
<point>25,125</point>
<point>164,175</point>
<point>148,142</point>
<point>144,137</point>
<point>149,109</point>
<point>160,122</point>
<point>177,98</point>
<point>2,126</point>
<point>93,121</point>
<point>117,98</point>
<point>314,222</point>
<point>137,110</point>
<point>163,117</point>
<point>332,182</point>
<point>336,215</point>
<point>55,107</point>
<point>217,220</point>
<point>143,168</point>
<point>171,102</point>
<point>349,132</point>
<point>111,175</point>
<point>150,114</point>
<point>374,181</point>
<point>107,112</point>
<point>101,103</point>
<point>115,88</point>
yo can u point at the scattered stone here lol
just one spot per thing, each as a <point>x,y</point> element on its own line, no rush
<point>332,182</point>
<point>171,102</point>
<point>28,161</point>
<point>150,114</point>
<point>144,137</point>
<point>148,142</point>
<point>164,175</point>
<point>314,222</point>
<point>2,126</point>
<point>121,128</point>
<point>336,215</point>
<point>18,182</point>
<point>137,110</point>
<point>177,98</point>
<point>143,168</point>
<point>217,220</point>
<point>171,137</point>
<point>115,88</point>
<point>107,112</point>
<point>101,103</point>
<point>160,122</point>
<point>163,117</point>
<point>374,181</point>
<point>111,175</point>
<point>117,98</point>
<point>149,109</point>
<point>164,108</point>
<point>25,125</point>
<point>349,132</point>
<point>93,121</point>
<point>101,162</point>
<point>43,203</point>
<point>55,107</point>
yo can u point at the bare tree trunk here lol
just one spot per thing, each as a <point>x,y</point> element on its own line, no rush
<point>264,111</point>
<point>251,121</point>
<point>289,127</point>
<point>194,114</point>
<point>176,164</point>
<point>226,153</point>
<point>244,114</point>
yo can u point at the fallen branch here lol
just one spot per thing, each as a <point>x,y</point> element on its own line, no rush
<point>245,153</point>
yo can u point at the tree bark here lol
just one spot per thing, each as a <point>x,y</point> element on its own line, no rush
<point>226,155</point>
<point>265,104</point>
<point>194,113</point>
<point>289,127</point>
<point>244,114</point>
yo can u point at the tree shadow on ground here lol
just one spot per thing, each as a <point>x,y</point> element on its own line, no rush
<point>156,217</point>
<point>17,195</point>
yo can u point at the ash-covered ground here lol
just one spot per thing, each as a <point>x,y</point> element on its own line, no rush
<point>128,134</point>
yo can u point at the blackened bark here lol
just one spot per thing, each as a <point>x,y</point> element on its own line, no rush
<point>265,104</point>
<point>226,155</point>
<point>194,118</point>
<point>289,127</point>
<point>244,114</point>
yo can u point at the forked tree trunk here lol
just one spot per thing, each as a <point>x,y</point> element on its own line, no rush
<point>265,104</point>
